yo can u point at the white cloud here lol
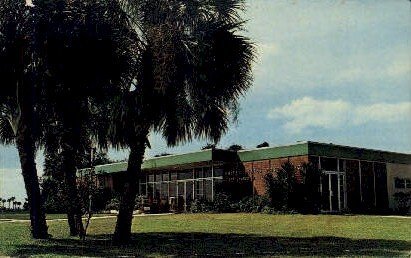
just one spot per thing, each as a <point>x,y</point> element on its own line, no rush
<point>330,114</point>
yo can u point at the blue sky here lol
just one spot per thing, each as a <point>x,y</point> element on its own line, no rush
<point>329,71</point>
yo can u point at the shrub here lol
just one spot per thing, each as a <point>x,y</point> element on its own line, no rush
<point>252,204</point>
<point>403,202</point>
<point>222,203</point>
<point>113,204</point>
<point>201,205</point>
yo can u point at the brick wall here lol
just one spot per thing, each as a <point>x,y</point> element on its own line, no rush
<point>257,170</point>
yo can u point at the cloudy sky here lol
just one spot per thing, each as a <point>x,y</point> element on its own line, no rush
<point>329,71</point>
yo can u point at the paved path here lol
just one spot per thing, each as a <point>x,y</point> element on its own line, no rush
<point>84,218</point>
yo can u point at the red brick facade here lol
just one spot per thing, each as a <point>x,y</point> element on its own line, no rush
<point>257,170</point>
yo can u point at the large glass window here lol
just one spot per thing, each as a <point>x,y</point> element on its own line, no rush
<point>164,190</point>
<point>185,174</point>
<point>399,183</point>
<point>151,177</point>
<point>173,176</point>
<point>208,190</point>
<point>173,189</point>
<point>158,176</point>
<point>329,164</point>
<point>198,173</point>
<point>166,176</point>
<point>207,172</point>
<point>218,171</point>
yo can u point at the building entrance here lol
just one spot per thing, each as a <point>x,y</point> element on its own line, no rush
<point>333,191</point>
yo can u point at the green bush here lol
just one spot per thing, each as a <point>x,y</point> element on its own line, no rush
<point>201,205</point>
<point>222,203</point>
<point>113,204</point>
<point>252,204</point>
<point>403,202</point>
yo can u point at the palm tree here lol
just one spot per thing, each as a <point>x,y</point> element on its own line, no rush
<point>193,68</point>
<point>18,99</point>
<point>89,48</point>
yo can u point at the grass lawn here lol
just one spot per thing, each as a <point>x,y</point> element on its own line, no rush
<point>223,235</point>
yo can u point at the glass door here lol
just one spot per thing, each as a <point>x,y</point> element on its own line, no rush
<point>332,191</point>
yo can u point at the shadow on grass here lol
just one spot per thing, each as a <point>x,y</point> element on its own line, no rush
<point>205,244</point>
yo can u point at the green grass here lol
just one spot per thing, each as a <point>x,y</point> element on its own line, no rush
<point>223,235</point>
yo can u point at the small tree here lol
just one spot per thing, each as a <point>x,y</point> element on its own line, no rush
<point>208,146</point>
<point>280,187</point>
<point>262,145</point>
<point>235,147</point>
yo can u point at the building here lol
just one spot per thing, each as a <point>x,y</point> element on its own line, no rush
<point>354,179</point>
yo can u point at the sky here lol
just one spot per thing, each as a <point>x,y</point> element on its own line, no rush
<point>328,71</point>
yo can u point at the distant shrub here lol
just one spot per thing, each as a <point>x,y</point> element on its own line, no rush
<point>201,205</point>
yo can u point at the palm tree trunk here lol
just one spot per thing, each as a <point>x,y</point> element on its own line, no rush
<point>122,234</point>
<point>26,150</point>
<point>74,209</point>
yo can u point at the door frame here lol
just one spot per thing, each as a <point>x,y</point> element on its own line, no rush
<point>341,204</point>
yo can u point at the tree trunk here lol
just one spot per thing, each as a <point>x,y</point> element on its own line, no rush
<point>26,149</point>
<point>74,207</point>
<point>122,234</point>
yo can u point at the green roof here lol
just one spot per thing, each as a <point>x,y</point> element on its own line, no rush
<point>179,159</point>
<point>161,162</point>
<point>324,149</point>
<point>299,149</point>
<point>347,152</point>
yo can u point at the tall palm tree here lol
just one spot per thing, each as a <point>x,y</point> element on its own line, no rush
<point>18,98</point>
<point>12,200</point>
<point>193,68</point>
<point>4,203</point>
<point>88,51</point>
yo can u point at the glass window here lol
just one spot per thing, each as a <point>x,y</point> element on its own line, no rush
<point>173,189</point>
<point>166,176</point>
<point>342,165</point>
<point>185,174</point>
<point>218,171</point>
<point>158,176</point>
<point>207,172</point>
<point>151,177</point>
<point>408,183</point>
<point>199,189</point>
<point>399,183</point>
<point>208,189</point>
<point>329,164</point>
<point>198,173</point>
<point>173,176</point>
<point>164,190</point>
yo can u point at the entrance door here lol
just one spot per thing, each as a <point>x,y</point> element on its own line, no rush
<point>332,191</point>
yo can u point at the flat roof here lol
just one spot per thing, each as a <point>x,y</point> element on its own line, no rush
<point>298,149</point>
<point>324,149</point>
<point>166,161</point>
